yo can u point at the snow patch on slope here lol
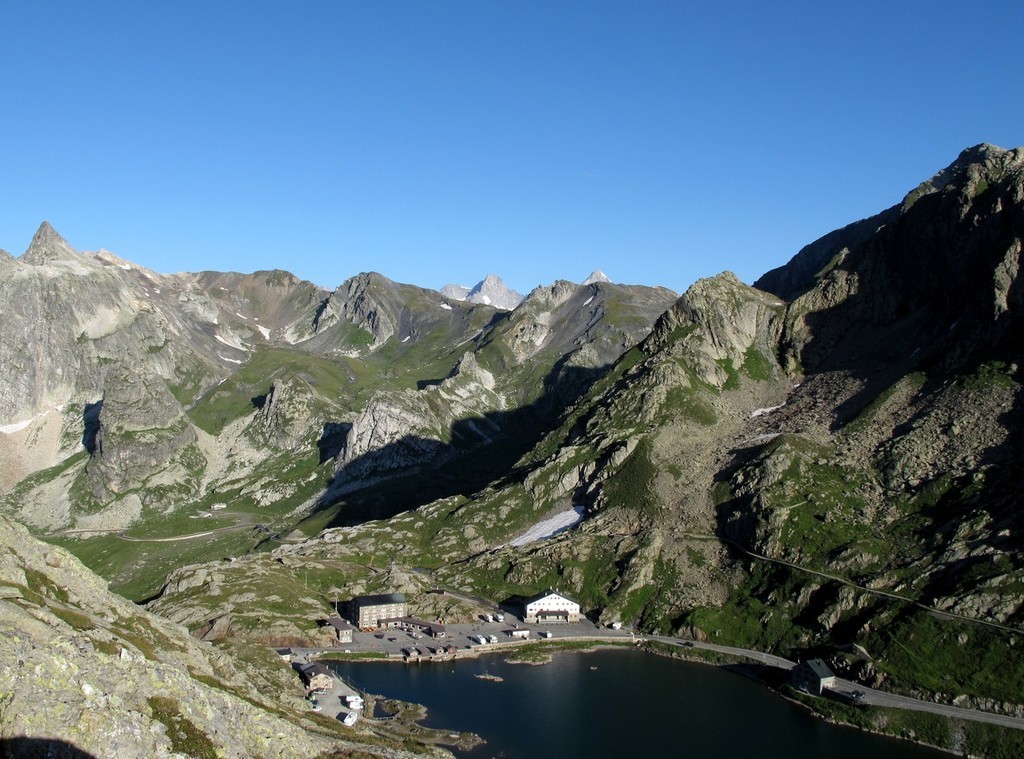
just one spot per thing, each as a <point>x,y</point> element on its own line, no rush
<point>550,527</point>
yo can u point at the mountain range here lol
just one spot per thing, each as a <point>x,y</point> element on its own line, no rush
<point>821,464</point>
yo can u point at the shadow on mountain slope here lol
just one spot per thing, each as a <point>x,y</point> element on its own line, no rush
<point>483,451</point>
<point>923,293</point>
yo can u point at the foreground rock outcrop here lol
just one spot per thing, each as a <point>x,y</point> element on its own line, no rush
<point>82,669</point>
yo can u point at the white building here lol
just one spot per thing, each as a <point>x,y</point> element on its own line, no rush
<point>550,606</point>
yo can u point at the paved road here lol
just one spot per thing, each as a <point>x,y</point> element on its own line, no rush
<point>894,701</point>
<point>770,660</point>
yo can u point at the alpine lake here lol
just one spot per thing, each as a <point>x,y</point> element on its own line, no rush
<point>615,703</point>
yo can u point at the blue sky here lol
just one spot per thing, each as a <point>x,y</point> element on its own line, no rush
<point>436,142</point>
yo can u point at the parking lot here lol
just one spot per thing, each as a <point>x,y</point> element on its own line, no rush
<point>396,642</point>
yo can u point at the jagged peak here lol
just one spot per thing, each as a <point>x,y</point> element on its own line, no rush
<point>363,281</point>
<point>596,276</point>
<point>982,163</point>
<point>490,291</point>
<point>47,246</point>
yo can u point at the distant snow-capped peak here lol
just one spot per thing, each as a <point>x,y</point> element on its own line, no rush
<point>596,276</point>
<point>490,291</point>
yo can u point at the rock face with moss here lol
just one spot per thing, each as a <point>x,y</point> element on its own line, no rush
<point>83,669</point>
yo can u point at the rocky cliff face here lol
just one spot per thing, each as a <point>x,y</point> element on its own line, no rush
<point>490,291</point>
<point>521,369</point>
<point>84,670</point>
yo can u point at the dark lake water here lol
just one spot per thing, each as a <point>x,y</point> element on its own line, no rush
<point>617,704</point>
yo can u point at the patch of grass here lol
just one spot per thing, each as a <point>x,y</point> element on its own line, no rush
<point>357,655</point>
<point>631,486</point>
<point>185,737</point>
<point>989,374</point>
<point>43,585</point>
<point>756,365</point>
<point>943,656</point>
<point>748,618</point>
<point>108,647</point>
<point>688,404</point>
<point>732,377</point>
<point>992,741</point>
<point>75,619</point>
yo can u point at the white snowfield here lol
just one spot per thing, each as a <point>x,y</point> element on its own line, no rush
<point>10,429</point>
<point>763,411</point>
<point>550,527</point>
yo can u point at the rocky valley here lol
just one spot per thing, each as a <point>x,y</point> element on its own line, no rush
<point>824,463</point>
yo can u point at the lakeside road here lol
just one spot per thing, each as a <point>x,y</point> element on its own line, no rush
<point>847,688</point>
<point>390,644</point>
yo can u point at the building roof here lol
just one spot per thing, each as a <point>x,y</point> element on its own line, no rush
<point>820,669</point>
<point>339,624</point>
<point>316,668</point>
<point>546,593</point>
<point>382,599</point>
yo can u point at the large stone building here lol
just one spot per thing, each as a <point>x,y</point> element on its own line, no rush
<point>368,611</point>
<point>550,606</point>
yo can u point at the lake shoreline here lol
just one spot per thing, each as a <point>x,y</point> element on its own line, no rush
<point>734,664</point>
<point>433,687</point>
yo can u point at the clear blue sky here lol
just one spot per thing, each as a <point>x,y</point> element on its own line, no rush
<point>437,141</point>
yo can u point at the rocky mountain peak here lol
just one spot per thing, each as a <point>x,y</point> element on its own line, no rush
<point>491,291</point>
<point>47,246</point>
<point>973,171</point>
<point>596,276</point>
